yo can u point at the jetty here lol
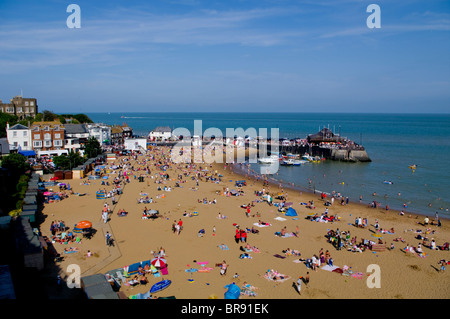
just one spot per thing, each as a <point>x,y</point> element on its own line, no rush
<point>324,144</point>
<point>328,145</point>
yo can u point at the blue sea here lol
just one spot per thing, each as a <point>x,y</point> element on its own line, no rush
<point>392,141</point>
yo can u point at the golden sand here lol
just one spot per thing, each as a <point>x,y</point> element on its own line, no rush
<point>403,275</point>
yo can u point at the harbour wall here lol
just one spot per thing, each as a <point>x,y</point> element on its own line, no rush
<point>345,155</point>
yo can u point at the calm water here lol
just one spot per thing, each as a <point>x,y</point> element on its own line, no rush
<point>393,142</point>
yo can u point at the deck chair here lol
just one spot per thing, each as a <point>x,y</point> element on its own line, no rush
<point>121,277</point>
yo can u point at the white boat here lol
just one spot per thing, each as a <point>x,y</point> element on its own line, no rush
<point>299,162</point>
<point>287,162</point>
<point>293,156</point>
<point>292,162</point>
<point>308,157</point>
<point>268,159</point>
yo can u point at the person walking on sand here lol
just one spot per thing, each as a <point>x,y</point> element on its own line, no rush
<point>299,285</point>
<point>108,239</point>
<point>105,216</point>
<point>223,268</point>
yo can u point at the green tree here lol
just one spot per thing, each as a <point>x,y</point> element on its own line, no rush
<point>61,161</point>
<point>6,118</point>
<point>68,161</point>
<point>49,116</point>
<point>16,163</point>
<point>92,147</point>
<point>82,118</point>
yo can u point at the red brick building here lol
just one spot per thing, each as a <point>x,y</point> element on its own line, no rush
<point>47,138</point>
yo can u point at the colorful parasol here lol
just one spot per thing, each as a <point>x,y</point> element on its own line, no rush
<point>159,262</point>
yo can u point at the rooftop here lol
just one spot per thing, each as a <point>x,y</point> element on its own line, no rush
<point>162,129</point>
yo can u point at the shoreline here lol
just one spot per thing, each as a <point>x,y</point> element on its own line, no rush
<point>274,182</point>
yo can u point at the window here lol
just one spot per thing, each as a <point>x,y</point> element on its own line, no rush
<point>37,136</point>
<point>25,133</point>
<point>47,136</point>
<point>25,144</point>
<point>56,128</point>
<point>36,128</point>
<point>14,133</point>
<point>27,110</point>
<point>10,109</point>
<point>31,103</point>
<point>47,128</point>
<point>47,143</point>
<point>57,143</point>
<point>37,144</point>
<point>57,135</point>
<point>26,103</point>
<point>15,144</point>
<point>19,110</point>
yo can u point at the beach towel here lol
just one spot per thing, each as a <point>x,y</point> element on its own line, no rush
<point>164,271</point>
<point>297,261</point>
<point>223,247</point>
<point>71,251</point>
<point>263,225</point>
<point>255,250</point>
<point>280,219</point>
<point>329,268</point>
<point>358,275</point>
<point>269,277</point>
<point>279,256</point>
<point>287,235</point>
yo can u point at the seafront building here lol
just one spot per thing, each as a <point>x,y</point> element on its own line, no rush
<point>19,137</point>
<point>160,133</point>
<point>100,131</point>
<point>48,138</point>
<point>75,136</point>
<point>21,107</point>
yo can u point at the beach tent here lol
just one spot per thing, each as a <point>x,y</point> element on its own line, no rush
<point>233,291</point>
<point>291,212</point>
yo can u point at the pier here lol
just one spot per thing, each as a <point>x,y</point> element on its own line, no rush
<point>324,144</point>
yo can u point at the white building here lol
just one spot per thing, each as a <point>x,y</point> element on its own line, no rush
<point>75,135</point>
<point>135,144</point>
<point>160,133</point>
<point>19,137</point>
<point>100,131</point>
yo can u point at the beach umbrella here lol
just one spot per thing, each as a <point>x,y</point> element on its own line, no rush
<point>288,204</point>
<point>159,262</point>
<point>84,224</point>
<point>152,212</point>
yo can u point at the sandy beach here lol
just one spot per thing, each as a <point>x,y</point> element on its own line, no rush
<point>402,274</point>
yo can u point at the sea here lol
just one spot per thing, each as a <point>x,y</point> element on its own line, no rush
<point>392,141</point>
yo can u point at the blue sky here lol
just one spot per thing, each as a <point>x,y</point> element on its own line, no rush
<point>234,55</point>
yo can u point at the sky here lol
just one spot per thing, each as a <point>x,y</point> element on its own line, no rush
<point>233,55</point>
